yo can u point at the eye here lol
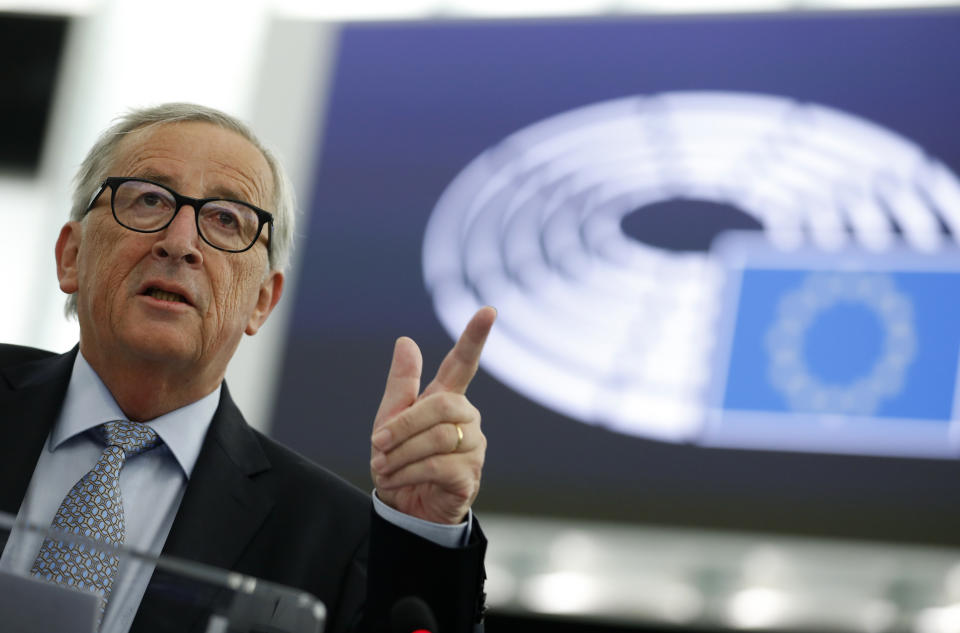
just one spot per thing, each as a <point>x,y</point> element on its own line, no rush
<point>226,219</point>
<point>152,199</point>
<point>228,224</point>
<point>222,217</point>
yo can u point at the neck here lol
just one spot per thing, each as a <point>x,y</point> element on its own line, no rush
<point>146,389</point>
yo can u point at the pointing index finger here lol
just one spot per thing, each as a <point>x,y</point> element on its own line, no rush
<point>460,364</point>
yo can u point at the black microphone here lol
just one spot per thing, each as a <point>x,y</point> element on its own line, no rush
<point>412,615</point>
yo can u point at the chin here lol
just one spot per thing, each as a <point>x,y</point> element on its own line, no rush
<point>163,344</point>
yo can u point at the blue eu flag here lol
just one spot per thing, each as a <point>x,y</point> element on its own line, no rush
<point>841,360</point>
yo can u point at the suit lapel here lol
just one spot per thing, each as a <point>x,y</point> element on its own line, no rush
<point>28,410</point>
<point>223,506</point>
<point>221,510</point>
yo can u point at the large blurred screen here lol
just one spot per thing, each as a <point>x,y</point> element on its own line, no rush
<point>723,251</point>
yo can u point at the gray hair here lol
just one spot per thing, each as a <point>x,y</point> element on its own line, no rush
<point>93,170</point>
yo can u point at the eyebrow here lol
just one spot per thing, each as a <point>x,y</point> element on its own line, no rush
<point>164,179</point>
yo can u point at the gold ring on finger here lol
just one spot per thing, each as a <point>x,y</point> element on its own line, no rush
<point>459,438</point>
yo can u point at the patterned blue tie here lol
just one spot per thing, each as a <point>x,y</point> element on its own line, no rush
<point>93,508</point>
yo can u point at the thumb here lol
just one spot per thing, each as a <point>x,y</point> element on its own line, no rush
<point>403,381</point>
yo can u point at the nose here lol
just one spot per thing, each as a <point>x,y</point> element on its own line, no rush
<point>180,240</point>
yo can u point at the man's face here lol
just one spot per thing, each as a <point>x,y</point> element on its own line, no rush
<point>168,297</point>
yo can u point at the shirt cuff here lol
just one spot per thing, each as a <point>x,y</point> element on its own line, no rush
<point>439,533</point>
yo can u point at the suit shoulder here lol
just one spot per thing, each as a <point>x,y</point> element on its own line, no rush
<point>17,354</point>
<point>300,474</point>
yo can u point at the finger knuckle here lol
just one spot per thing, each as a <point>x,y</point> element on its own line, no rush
<point>447,407</point>
<point>463,489</point>
<point>476,458</point>
<point>402,424</point>
<point>439,438</point>
<point>432,466</point>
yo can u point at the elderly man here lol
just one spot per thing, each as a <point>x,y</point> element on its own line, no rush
<point>179,234</point>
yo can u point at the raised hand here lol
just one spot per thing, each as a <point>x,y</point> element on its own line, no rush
<point>427,448</point>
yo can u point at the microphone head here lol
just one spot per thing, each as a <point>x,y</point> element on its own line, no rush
<point>412,615</point>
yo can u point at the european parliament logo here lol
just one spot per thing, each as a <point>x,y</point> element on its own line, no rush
<point>837,352</point>
<point>814,334</point>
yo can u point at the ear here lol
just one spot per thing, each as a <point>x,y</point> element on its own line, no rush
<point>67,252</point>
<point>270,291</point>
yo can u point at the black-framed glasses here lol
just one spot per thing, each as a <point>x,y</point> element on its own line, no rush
<point>145,206</point>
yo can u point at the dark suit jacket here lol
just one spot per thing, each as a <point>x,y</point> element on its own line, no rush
<point>255,507</point>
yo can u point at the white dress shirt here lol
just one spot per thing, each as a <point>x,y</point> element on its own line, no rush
<point>152,485</point>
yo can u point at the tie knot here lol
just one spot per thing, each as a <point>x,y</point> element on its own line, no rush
<point>133,437</point>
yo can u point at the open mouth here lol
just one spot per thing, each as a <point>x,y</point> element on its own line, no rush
<point>163,295</point>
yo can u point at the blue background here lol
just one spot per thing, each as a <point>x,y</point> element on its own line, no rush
<point>850,341</point>
<point>411,104</point>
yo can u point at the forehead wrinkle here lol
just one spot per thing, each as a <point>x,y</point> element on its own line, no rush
<point>248,188</point>
<point>257,189</point>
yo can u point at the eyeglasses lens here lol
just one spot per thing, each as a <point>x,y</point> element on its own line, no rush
<point>144,206</point>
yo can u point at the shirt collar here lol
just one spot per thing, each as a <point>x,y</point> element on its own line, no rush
<point>89,404</point>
